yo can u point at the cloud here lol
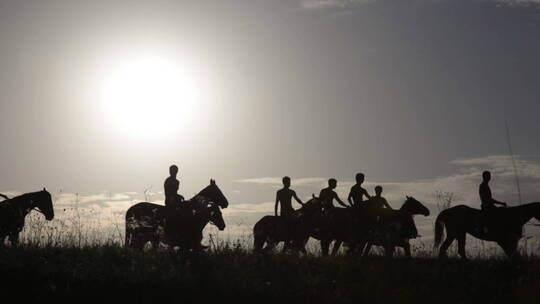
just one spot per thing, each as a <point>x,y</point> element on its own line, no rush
<point>277,181</point>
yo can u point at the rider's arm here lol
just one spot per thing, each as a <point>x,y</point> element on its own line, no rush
<point>297,199</point>
<point>4,196</point>
<point>349,198</point>
<point>340,201</point>
<point>367,194</point>
<point>276,206</point>
<point>385,202</point>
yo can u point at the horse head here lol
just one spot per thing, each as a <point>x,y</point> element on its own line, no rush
<point>413,206</point>
<point>214,194</point>
<point>44,203</point>
<point>216,217</point>
<point>312,206</point>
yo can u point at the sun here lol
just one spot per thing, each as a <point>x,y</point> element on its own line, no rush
<point>149,95</point>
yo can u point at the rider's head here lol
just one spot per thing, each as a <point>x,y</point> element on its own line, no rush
<point>173,170</point>
<point>332,183</point>
<point>378,190</point>
<point>360,178</point>
<point>486,176</point>
<point>286,181</point>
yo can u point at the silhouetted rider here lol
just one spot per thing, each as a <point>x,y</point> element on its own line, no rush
<point>377,201</point>
<point>284,197</point>
<point>357,193</point>
<point>328,195</point>
<point>488,202</point>
<point>171,185</point>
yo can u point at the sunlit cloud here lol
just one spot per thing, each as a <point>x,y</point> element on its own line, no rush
<point>278,180</point>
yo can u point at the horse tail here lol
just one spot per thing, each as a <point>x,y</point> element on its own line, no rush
<point>439,229</point>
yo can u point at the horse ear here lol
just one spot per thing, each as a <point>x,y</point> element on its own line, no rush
<point>313,195</point>
<point>44,189</point>
<point>212,182</point>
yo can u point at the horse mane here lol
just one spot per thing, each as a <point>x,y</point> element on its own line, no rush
<point>23,197</point>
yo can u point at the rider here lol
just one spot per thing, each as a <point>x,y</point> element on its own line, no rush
<point>173,200</point>
<point>328,195</point>
<point>284,196</point>
<point>488,202</point>
<point>171,185</point>
<point>378,201</point>
<point>357,193</point>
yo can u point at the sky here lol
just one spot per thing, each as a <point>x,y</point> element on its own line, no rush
<point>99,98</point>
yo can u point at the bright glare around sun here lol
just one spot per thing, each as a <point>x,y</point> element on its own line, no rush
<point>149,95</point>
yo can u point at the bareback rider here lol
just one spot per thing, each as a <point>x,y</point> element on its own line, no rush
<point>357,193</point>
<point>491,217</point>
<point>171,185</point>
<point>284,197</point>
<point>488,202</point>
<point>328,195</point>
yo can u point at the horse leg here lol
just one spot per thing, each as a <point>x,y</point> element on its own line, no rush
<point>407,248</point>
<point>509,247</point>
<point>389,251</point>
<point>351,248</point>
<point>336,246</point>
<point>14,238</point>
<point>445,245</point>
<point>461,246</point>
<point>286,247</point>
<point>270,245</point>
<point>367,249</point>
<point>258,242</point>
<point>325,245</point>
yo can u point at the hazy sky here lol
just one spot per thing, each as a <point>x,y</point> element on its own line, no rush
<point>408,92</point>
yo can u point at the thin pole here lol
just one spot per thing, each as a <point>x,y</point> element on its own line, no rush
<point>513,159</point>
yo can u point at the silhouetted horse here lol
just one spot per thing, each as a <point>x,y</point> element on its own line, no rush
<point>502,225</point>
<point>293,230</point>
<point>395,227</point>
<point>147,222</point>
<point>13,212</point>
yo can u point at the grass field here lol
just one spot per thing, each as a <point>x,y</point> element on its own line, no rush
<point>85,261</point>
<point>112,273</point>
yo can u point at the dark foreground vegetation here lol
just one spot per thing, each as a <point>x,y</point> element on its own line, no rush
<point>111,273</point>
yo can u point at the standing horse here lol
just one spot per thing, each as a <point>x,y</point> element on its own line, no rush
<point>502,225</point>
<point>395,227</point>
<point>13,212</point>
<point>147,222</point>
<point>294,230</point>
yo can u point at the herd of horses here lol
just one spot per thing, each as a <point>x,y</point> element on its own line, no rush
<point>359,228</point>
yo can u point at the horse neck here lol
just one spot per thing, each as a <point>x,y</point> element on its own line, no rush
<point>404,208</point>
<point>24,203</point>
<point>202,217</point>
<point>525,212</point>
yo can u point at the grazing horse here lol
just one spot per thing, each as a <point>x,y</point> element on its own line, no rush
<point>147,222</point>
<point>395,227</point>
<point>13,212</point>
<point>502,225</point>
<point>294,230</point>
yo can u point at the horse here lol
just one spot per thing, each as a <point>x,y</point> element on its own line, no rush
<point>354,225</point>
<point>294,230</point>
<point>391,227</point>
<point>13,212</point>
<point>147,222</point>
<point>461,219</point>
